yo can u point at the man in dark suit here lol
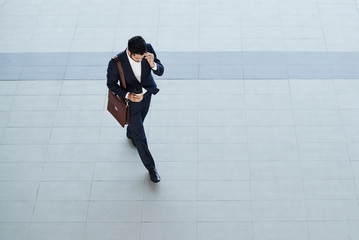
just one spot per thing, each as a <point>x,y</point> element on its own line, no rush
<point>138,61</point>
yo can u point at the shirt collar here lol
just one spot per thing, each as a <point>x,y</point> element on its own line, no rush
<point>130,59</point>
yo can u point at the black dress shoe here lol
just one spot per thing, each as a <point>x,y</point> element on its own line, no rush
<point>155,177</point>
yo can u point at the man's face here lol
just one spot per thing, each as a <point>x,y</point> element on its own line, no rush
<point>137,57</point>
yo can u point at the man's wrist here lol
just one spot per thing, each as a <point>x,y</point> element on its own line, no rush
<point>154,68</point>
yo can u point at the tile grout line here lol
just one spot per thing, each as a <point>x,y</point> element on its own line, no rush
<point>248,158</point>
<point>197,155</point>
<point>93,173</point>
<point>299,158</point>
<point>346,144</point>
<point>322,30</point>
<point>198,115</point>
<point>44,162</point>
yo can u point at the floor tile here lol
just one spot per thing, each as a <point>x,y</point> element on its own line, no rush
<point>266,86</point>
<point>268,101</point>
<point>185,171</point>
<point>86,102</point>
<point>23,153</point>
<point>4,115</point>
<point>18,191</point>
<point>272,151</point>
<point>114,211</point>
<point>80,135</point>
<point>117,190</point>
<point>54,231</point>
<point>351,133</point>
<point>35,102</point>
<point>320,134</point>
<point>177,152</point>
<point>26,135</point>
<point>64,191</point>
<point>175,231</point>
<point>317,117</point>
<point>16,231</point>
<point>227,230</point>
<point>330,230</point>
<point>274,170</point>
<point>215,152</point>
<point>114,171</point>
<point>172,135</point>
<point>349,116</point>
<point>280,230</point>
<point>332,210</point>
<point>214,171</point>
<point>207,135</point>
<point>112,231</point>
<point>271,134</point>
<point>21,171</point>
<point>171,191</point>
<point>31,119</point>
<point>16,212</point>
<point>323,87</point>
<point>6,102</point>
<point>8,88</point>
<point>52,212</point>
<point>315,101</point>
<point>329,189</point>
<point>277,190</point>
<point>174,118</point>
<point>224,190</point>
<point>80,118</point>
<point>38,88</point>
<point>323,151</point>
<point>71,153</point>
<point>68,171</point>
<point>228,118</point>
<point>222,211</point>
<point>274,211</point>
<point>333,170</point>
<point>269,117</point>
<point>169,211</point>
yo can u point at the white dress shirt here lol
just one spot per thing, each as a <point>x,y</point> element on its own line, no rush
<point>136,68</point>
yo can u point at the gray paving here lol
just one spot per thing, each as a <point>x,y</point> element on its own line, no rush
<point>269,157</point>
<point>197,65</point>
<point>255,129</point>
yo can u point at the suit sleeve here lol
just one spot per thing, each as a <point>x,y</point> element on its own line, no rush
<point>160,68</point>
<point>113,79</point>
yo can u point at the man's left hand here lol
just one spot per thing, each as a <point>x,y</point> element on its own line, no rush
<point>150,59</point>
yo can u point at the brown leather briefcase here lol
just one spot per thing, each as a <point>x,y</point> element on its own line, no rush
<point>118,107</point>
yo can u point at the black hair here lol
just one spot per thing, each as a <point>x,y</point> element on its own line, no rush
<point>137,45</point>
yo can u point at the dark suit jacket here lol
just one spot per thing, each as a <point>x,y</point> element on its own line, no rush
<point>147,81</point>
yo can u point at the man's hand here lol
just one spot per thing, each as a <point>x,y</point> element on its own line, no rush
<point>150,59</point>
<point>135,98</point>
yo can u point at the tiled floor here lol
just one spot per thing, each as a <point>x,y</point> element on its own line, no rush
<point>274,158</point>
<point>255,130</point>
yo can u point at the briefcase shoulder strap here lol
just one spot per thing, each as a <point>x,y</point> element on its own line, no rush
<point>120,69</point>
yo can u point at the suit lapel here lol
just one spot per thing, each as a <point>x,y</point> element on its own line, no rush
<point>143,66</point>
<point>127,69</point>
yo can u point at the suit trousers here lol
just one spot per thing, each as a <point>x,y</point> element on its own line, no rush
<point>136,131</point>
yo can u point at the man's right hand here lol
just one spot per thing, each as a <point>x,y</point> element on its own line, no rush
<point>135,98</point>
